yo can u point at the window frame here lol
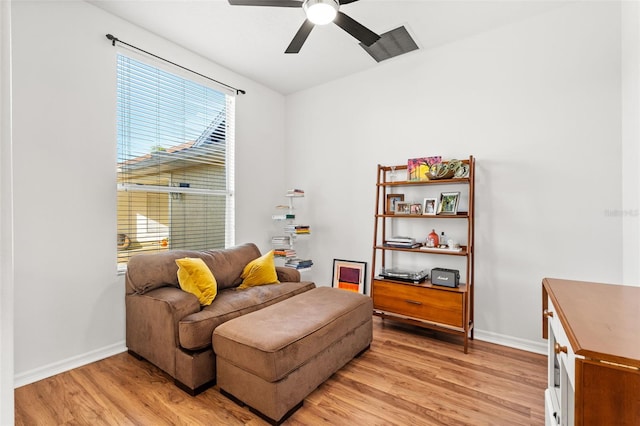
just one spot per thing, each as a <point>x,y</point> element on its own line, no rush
<point>171,191</point>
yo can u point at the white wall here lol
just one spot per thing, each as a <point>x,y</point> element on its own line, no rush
<point>537,102</point>
<point>69,301</point>
<point>6,231</point>
<point>630,11</point>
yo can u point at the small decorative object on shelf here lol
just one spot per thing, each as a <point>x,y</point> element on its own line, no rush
<point>432,239</point>
<point>462,171</point>
<point>448,170</point>
<point>444,302</point>
<point>284,245</point>
<point>442,239</point>
<point>442,249</point>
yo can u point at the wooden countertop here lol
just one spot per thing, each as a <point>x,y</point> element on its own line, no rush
<point>602,321</point>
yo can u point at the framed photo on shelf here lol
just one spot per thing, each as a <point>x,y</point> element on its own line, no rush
<point>392,200</point>
<point>403,207</point>
<point>430,206</point>
<point>415,208</point>
<point>448,203</point>
<point>349,275</point>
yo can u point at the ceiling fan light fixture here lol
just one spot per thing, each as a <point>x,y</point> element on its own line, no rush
<point>320,12</point>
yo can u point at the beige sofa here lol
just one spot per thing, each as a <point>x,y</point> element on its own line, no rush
<point>167,326</point>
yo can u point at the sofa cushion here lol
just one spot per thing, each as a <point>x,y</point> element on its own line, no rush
<point>195,331</point>
<point>196,278</point>
<point>287,274</point>
<point>259,271</point>
<point>146,272</point>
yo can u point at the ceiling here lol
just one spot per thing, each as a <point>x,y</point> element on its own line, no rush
<point>251,40</point>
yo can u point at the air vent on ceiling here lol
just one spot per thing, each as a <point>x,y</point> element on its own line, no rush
<point>391,44</point>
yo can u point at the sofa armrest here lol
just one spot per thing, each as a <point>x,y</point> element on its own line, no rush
<point>152,323</point>
<point>286,275</point>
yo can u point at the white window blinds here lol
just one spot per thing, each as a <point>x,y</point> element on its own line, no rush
<point>175,162</point>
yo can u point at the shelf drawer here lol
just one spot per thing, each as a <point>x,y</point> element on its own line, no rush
<point>426,303</point>
<point>568,358</point>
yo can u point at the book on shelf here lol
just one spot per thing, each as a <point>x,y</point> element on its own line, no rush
<point>402,245</point>
<point>283,216</point>
<point>284,253</point>
<point>398,239</point>
<point>298,263</point>
<point>297,229</point>
<point>280,240</point>
<point>295,193</point>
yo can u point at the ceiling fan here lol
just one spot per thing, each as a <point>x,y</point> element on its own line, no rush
<point>319,12</point>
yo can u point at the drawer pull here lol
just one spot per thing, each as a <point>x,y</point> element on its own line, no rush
<point>547,313</point>
<point>557,348</point>
<point>413,302</point>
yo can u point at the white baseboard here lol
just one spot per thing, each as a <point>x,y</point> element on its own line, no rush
<point>68,364</point>
<point>510,341</point>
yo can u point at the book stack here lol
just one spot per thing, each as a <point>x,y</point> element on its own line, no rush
<point>297,229</point>
<point>401,242</point>
<point>298,263</point>
<point>280,240</point>
<point>283,252</point>
<point>283,216</point>
<point>295,193</point>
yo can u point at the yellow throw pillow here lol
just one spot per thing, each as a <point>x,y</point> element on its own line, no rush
<point>196,278</point>
<point>259,271</point>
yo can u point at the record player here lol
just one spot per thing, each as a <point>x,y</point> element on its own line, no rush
<point>403,275</point>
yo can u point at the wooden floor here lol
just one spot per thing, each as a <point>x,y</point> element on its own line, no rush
<point>408,377</point>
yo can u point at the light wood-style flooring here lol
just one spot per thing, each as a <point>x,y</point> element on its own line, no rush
<point>408,377</point>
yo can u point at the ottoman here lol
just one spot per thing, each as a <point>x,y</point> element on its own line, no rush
<point>271,359</point>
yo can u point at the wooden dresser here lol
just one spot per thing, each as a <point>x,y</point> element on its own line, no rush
<point>594,353</point>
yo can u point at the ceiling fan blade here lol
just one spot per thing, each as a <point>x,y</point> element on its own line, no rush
<point>274,3</point>
<point>346,1</point>
<point>300,37</point>
<point>357,30</point>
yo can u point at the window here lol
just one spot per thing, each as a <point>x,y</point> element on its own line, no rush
<point>175,162</point>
